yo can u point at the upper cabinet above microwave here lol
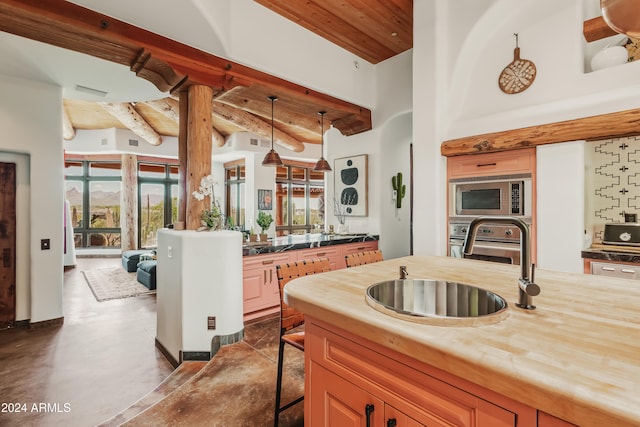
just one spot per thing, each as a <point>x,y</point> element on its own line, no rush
<point>492,164</point>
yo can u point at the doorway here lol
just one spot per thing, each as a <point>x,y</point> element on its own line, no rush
<point>7,245</point>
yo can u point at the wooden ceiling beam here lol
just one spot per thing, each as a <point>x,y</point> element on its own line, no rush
<point>255,125</point>
<point>68,132</point>
<point>166,63</point>
<point>594,128</point>
<point>170,108</point>
<point>129,117</point>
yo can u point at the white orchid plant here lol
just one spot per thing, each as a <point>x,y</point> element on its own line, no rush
<point>211,218</point>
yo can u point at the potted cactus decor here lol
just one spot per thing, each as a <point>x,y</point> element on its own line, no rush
<point>399,187</point>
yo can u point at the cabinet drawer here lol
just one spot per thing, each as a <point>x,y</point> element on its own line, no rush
<point>321,252</point>
<point>624,271</point>
<point>502,163</point>
<point>267,260</point>
<point>353,248</point>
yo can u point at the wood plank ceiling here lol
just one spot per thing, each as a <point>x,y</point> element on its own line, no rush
<point>371,29</point>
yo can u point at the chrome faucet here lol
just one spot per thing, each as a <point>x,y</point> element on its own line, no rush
<point>527,288</point>
<point>403,272</point>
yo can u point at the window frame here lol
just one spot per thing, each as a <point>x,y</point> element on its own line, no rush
<point>232,186</point>
<point>85,178</point>
<point>290,181</point>
<point>167,181</point>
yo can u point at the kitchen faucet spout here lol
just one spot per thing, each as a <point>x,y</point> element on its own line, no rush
<point>527,288</point>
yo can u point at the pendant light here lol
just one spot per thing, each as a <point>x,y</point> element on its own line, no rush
<point>322,165</point>
<point>272,158</point>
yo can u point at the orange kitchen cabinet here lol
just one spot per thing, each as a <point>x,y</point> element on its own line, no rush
<point>353,248</point>
<point>342,403</point>
<point>333,252</point>
<point>261,294</point>
<point>546,420</point>
<point>345,373</point>
<point>492,164</point>
<point>346,404</point>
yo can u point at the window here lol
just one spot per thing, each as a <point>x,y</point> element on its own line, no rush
<point>234,181</point>
<point>299,201</point>
<point>93,189</point>
<point>158,200</point>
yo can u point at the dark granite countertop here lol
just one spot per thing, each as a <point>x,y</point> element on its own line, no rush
<point>615,254</point>
<point>304,241</point>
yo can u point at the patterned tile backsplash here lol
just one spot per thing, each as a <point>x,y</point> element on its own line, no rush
<point>612,183</point>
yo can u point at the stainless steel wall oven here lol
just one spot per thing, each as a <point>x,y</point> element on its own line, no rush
<point>495,196</point>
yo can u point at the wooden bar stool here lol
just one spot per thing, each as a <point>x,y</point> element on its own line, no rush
<point>290,318</point>
<point>361,258</point>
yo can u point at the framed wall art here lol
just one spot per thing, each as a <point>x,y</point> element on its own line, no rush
<point>350,184</point>
<point>265,198</point>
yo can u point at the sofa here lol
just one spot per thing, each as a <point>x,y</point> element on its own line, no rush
<point>146,273</point>
<point>130,259</point>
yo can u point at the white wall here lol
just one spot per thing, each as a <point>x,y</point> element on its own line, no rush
<point>550,35</point>
<point>104,141</point>
<point>429,180</point>
<point>394,222</point>
<point>458,55</point>
<point>560,206</point>
<point>393,111</point>
<point>31,123</point>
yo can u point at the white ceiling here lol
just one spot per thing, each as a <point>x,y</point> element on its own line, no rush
<point>28,59</point>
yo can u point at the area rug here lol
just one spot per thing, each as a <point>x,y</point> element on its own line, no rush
<point>114,283</point>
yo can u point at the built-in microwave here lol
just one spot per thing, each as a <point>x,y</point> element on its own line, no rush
<point>500,195</point>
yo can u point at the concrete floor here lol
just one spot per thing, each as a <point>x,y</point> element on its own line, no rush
<point>99,362</point>
<point>102,367</point>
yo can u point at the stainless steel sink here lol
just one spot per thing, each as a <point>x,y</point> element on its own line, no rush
<point>437,302</point>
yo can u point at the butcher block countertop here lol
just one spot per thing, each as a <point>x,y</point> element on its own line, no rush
<point>577,356</point>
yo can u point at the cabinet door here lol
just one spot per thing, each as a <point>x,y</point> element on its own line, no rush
<point>337,402</point>
<point>396,418</point>
<point>546,420</point>
<point>260,281</point>
<point>502,163</point>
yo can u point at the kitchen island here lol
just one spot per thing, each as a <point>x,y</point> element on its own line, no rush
<point>572,360</point>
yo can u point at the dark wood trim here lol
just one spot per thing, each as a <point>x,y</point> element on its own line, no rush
<point>46,323</point>
<point>162,349</point>
<point>594,128</point>
<point>596,29</point>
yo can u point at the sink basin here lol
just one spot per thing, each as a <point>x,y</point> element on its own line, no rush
<point>437,302</point>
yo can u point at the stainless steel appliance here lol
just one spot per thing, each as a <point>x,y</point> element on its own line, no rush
<point>494,242</point>
<point>502,196</point>
<point>508,195</point>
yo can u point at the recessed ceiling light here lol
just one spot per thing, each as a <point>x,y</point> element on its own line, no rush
<point>91,91</point>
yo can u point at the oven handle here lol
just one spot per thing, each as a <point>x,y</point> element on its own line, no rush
<point>483,248</point>
<point>480,244</point>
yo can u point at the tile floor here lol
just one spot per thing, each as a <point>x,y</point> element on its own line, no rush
<point>102,367</point>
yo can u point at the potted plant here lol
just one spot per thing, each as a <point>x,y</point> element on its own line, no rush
<point>264,221</point>
<point>252,236</point>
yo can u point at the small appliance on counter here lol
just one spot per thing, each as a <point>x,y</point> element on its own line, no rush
<point>622,234</point>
